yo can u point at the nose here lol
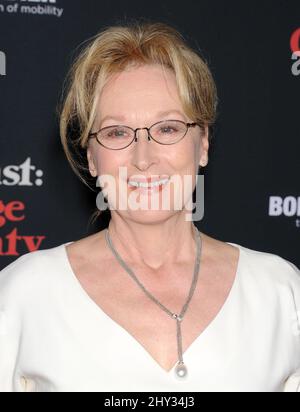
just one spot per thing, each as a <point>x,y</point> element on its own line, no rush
<point>143,151</point>
<point>136,133</point>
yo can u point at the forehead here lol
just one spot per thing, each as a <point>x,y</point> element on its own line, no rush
<point>140,88</point>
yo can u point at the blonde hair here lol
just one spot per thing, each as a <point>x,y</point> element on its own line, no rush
<point>113,50</point>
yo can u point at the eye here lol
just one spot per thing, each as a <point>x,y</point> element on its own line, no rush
<point>167,129</point>
<point>116,133</point>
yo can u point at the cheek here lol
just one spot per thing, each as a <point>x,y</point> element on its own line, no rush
<point>183,157</point>
<point>107,163</point>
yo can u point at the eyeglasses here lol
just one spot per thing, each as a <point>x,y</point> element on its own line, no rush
<point>164,132</point>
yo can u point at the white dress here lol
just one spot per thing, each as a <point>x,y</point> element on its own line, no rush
<point>55,338</point>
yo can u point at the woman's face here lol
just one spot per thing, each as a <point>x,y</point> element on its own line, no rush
<point>140,97</point>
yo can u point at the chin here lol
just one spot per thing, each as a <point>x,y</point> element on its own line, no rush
<point>150,216</point>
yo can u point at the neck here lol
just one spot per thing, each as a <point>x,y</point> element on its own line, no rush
<point>154,246</point>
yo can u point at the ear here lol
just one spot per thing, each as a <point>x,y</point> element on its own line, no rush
<point>203,154</point>
<point>91,163</point>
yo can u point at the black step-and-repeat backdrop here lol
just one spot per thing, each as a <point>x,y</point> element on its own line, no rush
<point>252,180</point>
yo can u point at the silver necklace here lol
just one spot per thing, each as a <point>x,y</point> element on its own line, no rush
<point>180,369</point>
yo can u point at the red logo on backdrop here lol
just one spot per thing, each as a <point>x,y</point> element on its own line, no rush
<point>14,212</point>
<point>295,42</point>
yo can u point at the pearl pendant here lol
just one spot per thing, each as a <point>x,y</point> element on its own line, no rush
<point>181,370</point>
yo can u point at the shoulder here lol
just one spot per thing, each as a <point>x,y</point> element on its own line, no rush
<point>270,270</point>
<point>29,271</point>
<point>270,263</point>
<point>41,271</point>
<point>261,266</point>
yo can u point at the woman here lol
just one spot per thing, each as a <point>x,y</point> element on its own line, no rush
<point>151,303</point>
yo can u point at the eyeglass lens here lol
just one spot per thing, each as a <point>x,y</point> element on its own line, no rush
<point>165,132</point>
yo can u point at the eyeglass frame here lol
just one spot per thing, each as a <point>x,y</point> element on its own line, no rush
<point>188,125</point>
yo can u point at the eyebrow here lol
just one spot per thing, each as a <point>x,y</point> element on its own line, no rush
<point>158,115</point>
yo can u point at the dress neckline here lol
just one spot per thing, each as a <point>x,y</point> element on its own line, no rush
<point>100,312</point>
